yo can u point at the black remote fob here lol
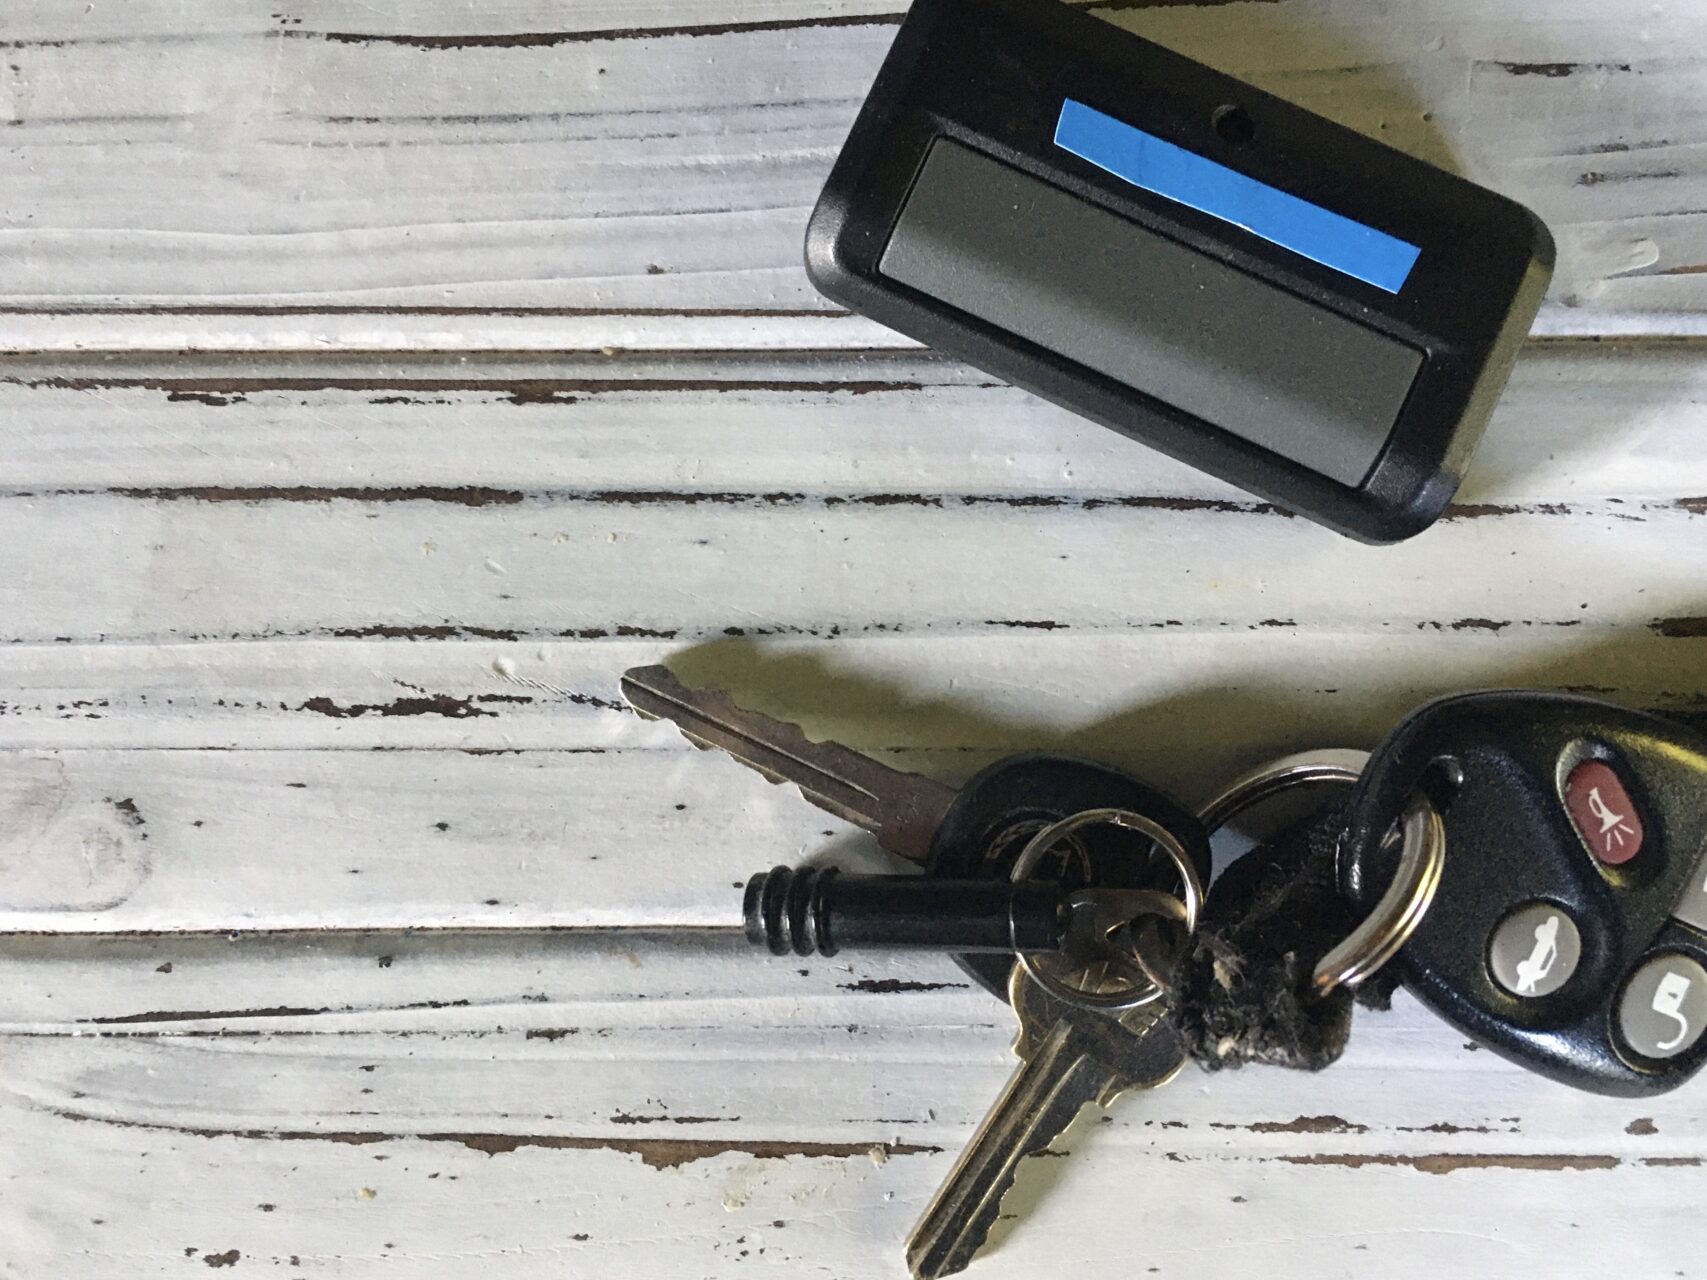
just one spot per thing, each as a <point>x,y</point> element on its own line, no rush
<point>1227,277</point>
<point>1569,929</point>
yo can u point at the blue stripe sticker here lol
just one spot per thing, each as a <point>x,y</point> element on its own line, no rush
<point>1172,172</point>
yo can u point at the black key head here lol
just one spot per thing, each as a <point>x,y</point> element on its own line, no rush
<point>1569,931</point>
<point>1002,807</point>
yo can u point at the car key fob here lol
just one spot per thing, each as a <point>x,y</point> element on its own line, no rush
<point>1569,928</point>
<point>1231,279</point>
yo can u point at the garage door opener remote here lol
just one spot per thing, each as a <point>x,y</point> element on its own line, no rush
<point>1224,276</point>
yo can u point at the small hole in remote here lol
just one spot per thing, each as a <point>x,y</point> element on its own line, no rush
<point>1234,124</point>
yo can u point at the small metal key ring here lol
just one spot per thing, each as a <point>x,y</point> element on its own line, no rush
<point>1192,899</point>
<point>1307,768</point>
<point>1401,908</point>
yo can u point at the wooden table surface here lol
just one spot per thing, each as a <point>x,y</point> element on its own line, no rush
<point>382,379</point>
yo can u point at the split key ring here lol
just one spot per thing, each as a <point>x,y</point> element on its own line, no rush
<point>1409,894</point>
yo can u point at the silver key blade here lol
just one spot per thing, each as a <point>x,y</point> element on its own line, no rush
<point>902,809</point>
<point>1069,1058</point>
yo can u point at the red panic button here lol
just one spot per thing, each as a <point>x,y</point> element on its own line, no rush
<point>1603,812</point>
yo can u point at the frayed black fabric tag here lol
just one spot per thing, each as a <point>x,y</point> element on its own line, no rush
<point>1243,989</point>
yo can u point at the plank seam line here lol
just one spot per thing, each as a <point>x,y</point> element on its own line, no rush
<point>657,1153</point>
<point>549,39</point>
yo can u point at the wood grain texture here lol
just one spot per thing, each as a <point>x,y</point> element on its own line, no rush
<point>171,568</point>
<point>641,158</point>
<point>333,483</point>
<point>1578,422</point>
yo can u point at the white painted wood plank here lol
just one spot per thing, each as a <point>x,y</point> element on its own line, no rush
<point>299,840</point>
<point>179,567</point>
<point>509,156</point>
<point>749,1096</point>
<point>1577,421</point>
<point>610,821</point>
<point>918,1065</point>
<point>401,654</point>
<point>1246,693</point>
<point>91,1195</point>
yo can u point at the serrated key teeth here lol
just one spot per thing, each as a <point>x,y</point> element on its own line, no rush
<point>903,809</point>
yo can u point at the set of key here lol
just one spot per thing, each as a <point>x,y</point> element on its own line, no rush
<point>1535,864</point>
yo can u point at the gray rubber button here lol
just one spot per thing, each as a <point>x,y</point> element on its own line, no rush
<point>1535,950</point>
<point>1664,1009</point>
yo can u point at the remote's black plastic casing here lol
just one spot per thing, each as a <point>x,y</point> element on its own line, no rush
<point>1511,840</point>
<point>1353,403</point>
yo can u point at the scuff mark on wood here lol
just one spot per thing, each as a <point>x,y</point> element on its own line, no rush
<point>205,397</point>
<point>693,498</point>
<point>1490,510</point>
<point>1144,502</point>
<point>1307,1124</point>
<point>1466,624</point>
<point>624,1117</point>
<point>418,309</point>
<point>1027,624</point>
<point>1680,628</point>
<point>529,389</point>
<point>1558,70</point>
<point>1021,501</point>
<point>1672,1162</point>
<point>1446,1126</point>
<point>227,1259</point>
<point>387,631</point>
<point>886,986</point>
<point>656,1153</point>
<point>1594,178</point>
<point>199,1015</point>
<point>130,813</point>
<point>439,704</point>
<point>551,39</point>
<point>463,496</point>
<point>887,500</point>
<point>478,496</point>
<point>1641,1127</point>
<point>537,396</point>
<point>1445,1164</point>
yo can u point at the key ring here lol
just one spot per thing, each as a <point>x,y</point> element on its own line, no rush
<point>1401,908</point>
<point>1192,900</point>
